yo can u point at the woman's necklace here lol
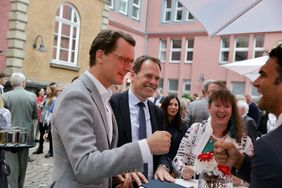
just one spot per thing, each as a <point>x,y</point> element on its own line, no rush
<point>217,138</point>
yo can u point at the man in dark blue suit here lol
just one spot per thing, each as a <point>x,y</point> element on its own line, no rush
<point>263,169</point>
<point>144,82</point>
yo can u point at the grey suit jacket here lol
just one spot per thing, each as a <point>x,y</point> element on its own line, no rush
<point>83,154</point>
<point>198,111</point>
<point>23,107</point>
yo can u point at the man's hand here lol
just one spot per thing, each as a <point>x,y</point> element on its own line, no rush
<point>126,180</point>
<point>163,175</point>
<point>159,142</point>
<point>227,154</point>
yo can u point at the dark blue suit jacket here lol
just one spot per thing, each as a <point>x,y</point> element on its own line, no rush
<point>264,169</point>
<point>120,106</point>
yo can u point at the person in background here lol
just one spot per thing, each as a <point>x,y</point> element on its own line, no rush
<point>5,121</point>
<point>224,123</point>
<point>249,123</point>
<point>3,80</point>
<point>263,169</point>
<point>144,82</point>
<point>38,128</point>
<point>254,111</point>
<point>84,130</point>
<point>184,110</point>
<point>23,107</point>
<point>175,125</point>
<point>47,113</point>
<point>158,99</point>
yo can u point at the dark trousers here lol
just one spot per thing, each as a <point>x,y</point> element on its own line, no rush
<point>4,170</point>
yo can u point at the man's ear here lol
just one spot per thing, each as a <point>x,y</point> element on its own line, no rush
<point>132,75</point>
<point>99,56</point>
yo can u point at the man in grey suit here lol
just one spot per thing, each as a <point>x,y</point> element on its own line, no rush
<point>84,129</point>
<point>23,107</point>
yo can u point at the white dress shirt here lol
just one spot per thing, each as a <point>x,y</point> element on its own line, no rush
<point>105,95</point>
<point>134,110</point>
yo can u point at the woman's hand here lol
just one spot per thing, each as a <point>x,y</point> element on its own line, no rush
<point>187,172</point>
<point>162,174</point>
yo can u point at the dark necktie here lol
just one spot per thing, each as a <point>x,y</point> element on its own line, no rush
<point>142,131</point>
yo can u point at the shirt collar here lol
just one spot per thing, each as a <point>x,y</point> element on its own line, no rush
<point>133,99</point>
<point>279,120</point>
<point>105,93</point>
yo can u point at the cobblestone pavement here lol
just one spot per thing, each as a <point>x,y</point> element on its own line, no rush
<point>39,170</point>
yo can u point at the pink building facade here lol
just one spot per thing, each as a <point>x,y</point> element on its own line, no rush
<point>4,11</point>
<point>165,29</point>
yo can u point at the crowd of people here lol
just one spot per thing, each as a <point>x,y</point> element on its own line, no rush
<point>125,139</point>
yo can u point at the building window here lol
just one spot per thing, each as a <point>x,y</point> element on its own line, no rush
<point>186,87</point>
<point>258,46</point>
<point>241,48</point>
<point>238,88</point>
<point>161,84</point>
<point>175,50</point>
<point>66,36</point>
<point>224,50</point>
<point>179,12</point>
<point>111,4</point>
<point>172,87</point>
<point>136,9</point>
<point>123,6</point>
<point>189,50</point>
<point>175,8</point>
<point>189,16</point>
<point>254,92</point>
<point>167,10</point>
<point>163,50</point>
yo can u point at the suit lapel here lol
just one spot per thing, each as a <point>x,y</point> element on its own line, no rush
<point>126,115</point>
<point>95,95</point>
<point>153,117</point>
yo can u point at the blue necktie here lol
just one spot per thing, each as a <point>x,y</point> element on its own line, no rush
<point>142,130</point>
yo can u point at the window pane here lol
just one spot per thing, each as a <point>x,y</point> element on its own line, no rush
<point>64,55</point>
<point>189,56</point>
<point>190,43</point>
<point>65,42</point>
<point>65,29</point>
<point>190,16</point>
<point>242,42</point>
<point>67,12</point>
<point>240,56</point>
<point>224,56</point>
<point>176,44</point>
<point>179,15</point>
<point>225,42</point>
<point>168,3</point>
<point>238,88</point>
<point>163,44</point>
<point>259,53</point>
<point>55,40</point>
<point>259,41</point>
<point>175,56</point>
<point>173,85</point>
<point>163,56</point>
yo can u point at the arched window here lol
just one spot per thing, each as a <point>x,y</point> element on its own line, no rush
<point>66,36</point>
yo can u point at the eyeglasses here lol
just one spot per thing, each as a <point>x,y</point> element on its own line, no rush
<point>125,60</point>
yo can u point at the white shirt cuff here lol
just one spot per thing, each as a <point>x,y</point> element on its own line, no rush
<point>145,150</point>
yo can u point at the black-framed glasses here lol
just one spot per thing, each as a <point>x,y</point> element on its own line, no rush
<point>123,59</point>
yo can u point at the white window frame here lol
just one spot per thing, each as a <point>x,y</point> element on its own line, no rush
<point>240,49</point>
<point>163,46</point>
<point>185,83</point>
<point>178,9</point>
<point>167,10</point>
<point>172,50</point>
<point>173,92</point>
<point>57,47</point>
<point>125,4</point>
<point>255,48</point>
<point>188,49</point>
<point>188,13</point>
<point>224,49</point>
<point>137,7</point>
<point>111,2</point>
